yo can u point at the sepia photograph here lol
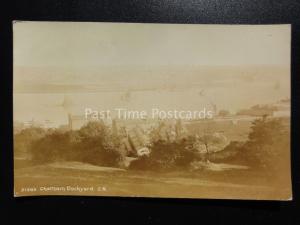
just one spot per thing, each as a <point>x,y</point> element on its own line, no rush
<point>152,110</point>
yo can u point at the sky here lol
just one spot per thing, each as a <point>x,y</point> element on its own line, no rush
<point>164,66</point>
<point>79,45</point>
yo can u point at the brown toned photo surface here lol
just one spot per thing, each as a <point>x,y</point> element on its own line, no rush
<point>152,110</point>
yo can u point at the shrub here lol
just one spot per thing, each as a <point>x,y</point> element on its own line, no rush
<point>166,155</point>
<point>142,163</point>
<point>51,147</point>
<point>231,153</point>
<point>93,144</point>
<point>24,139</point>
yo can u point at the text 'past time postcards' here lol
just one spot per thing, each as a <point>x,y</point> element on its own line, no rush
<point>152,110</point>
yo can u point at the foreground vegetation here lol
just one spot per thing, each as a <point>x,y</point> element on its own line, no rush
<point>267,148</point>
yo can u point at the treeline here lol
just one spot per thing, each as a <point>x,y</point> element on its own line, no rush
<point>267,147</point>
<point>93,143</point>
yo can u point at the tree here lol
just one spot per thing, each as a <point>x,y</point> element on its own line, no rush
<point>98,145</point>
<point>265,131</point>
<point>268,143</point>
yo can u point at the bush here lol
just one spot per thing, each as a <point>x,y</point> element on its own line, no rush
<point>52,147</point>
<point>93,144</point>
<point>231,153</point>
<point>166,155</point>
<point>142,163</point>
<point>24,139</point>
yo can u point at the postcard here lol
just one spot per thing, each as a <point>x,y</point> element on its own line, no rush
<point>152,110</point>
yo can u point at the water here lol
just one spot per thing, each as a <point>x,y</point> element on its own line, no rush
<point>56,106</point>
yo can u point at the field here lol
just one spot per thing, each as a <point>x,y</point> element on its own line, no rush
<point>73,178</point>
